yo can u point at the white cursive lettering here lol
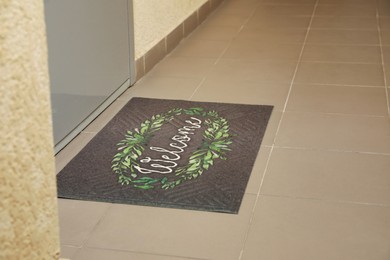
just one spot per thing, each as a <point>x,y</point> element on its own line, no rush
<point>155,165</point>
<point>166,163</point>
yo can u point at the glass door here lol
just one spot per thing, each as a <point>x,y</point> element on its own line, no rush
<point>90,60</point>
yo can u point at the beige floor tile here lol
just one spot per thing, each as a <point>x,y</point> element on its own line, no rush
<point>344,22</point>
<point>326,36</point>
<point>326,175</point>
<point>223,90</point>
<point>297,2</point>
<point>73,148</point>
<point>388,98</point>
<point>383,8</point>
<point>340,73</point>
<point>384,23</point>
<point>272,127</point>
<point>68,251</point>
<point>294,9</point>
<point>104,254</point>
<point>78,219</point>
<point>347,10</point>
<point>348,2</point>
<point>305,229</point>
<point>243,10</point>
<point>163,87</point>
<point>214,33</point>
<point>278,22</point>
<point>388,101</point>
<point>253,50</point>
<point>236,7</point>
<point>385,37</point>
<point>222,19</point>
<point>189,67</point>
<point>258,170</point>
<point>342,53</point>
<point>199,48</point>
<point>340,132</point>
<point>255,71</point>
<point>239,4</point>
<point>272,35</point>
<point>174,232</point>
<point>387,69</point>
<point>338,99</point>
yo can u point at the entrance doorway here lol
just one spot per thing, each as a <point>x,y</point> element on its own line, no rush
<point>91,60</point>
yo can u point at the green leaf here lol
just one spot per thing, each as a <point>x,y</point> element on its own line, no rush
<point>137,151</point>
<point>194,161</point>
<point>144,129</point>
<point>126,163</point>
<point>153,181</point>
<point>215,155</point>
<point>164,180</point>
<point>126,151</point>
<point>215,148</point>
<point>208,156</point>
<point>193,167</point>
<point>144,187</point>
<point>218,135</point>
<point>116,159</point>
<point>197,155</point>
<point>206,166</point>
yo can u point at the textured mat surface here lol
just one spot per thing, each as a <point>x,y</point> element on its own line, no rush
<point>170,153</point>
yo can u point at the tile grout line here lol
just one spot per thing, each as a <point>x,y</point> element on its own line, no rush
<point>348,202</point>
<point>197,87</point>
<point>343,28</point>
<point>277,130</point>
<point>383,61</point>
<point>341,62</point>
<point>254,206</point>
<point>334,114</point>
<point>224,51</point>
<point>338,85</point>
<point>267,163</point>
<point>297,66</point>
<point>329,150</point>
<point>237,33</point>
<point>144,253</point>
<point>89,236</point>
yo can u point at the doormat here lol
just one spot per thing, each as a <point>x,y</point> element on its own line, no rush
<point>170,153</point>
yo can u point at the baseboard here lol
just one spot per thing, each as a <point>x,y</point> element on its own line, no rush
<point>145,63</point>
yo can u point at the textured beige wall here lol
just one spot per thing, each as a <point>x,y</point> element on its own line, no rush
<point>155,19</point>
<point>28,207</point>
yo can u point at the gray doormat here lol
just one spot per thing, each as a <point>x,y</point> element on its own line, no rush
<point>170,153</point>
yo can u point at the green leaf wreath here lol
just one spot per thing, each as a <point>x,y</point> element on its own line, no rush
<point>215,144</point>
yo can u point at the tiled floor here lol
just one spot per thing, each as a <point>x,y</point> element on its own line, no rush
<point>320,188</point>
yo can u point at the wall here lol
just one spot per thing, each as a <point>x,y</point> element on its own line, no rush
<point>161,25</point>
<point>28,209</point>
<point>155,19</point>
